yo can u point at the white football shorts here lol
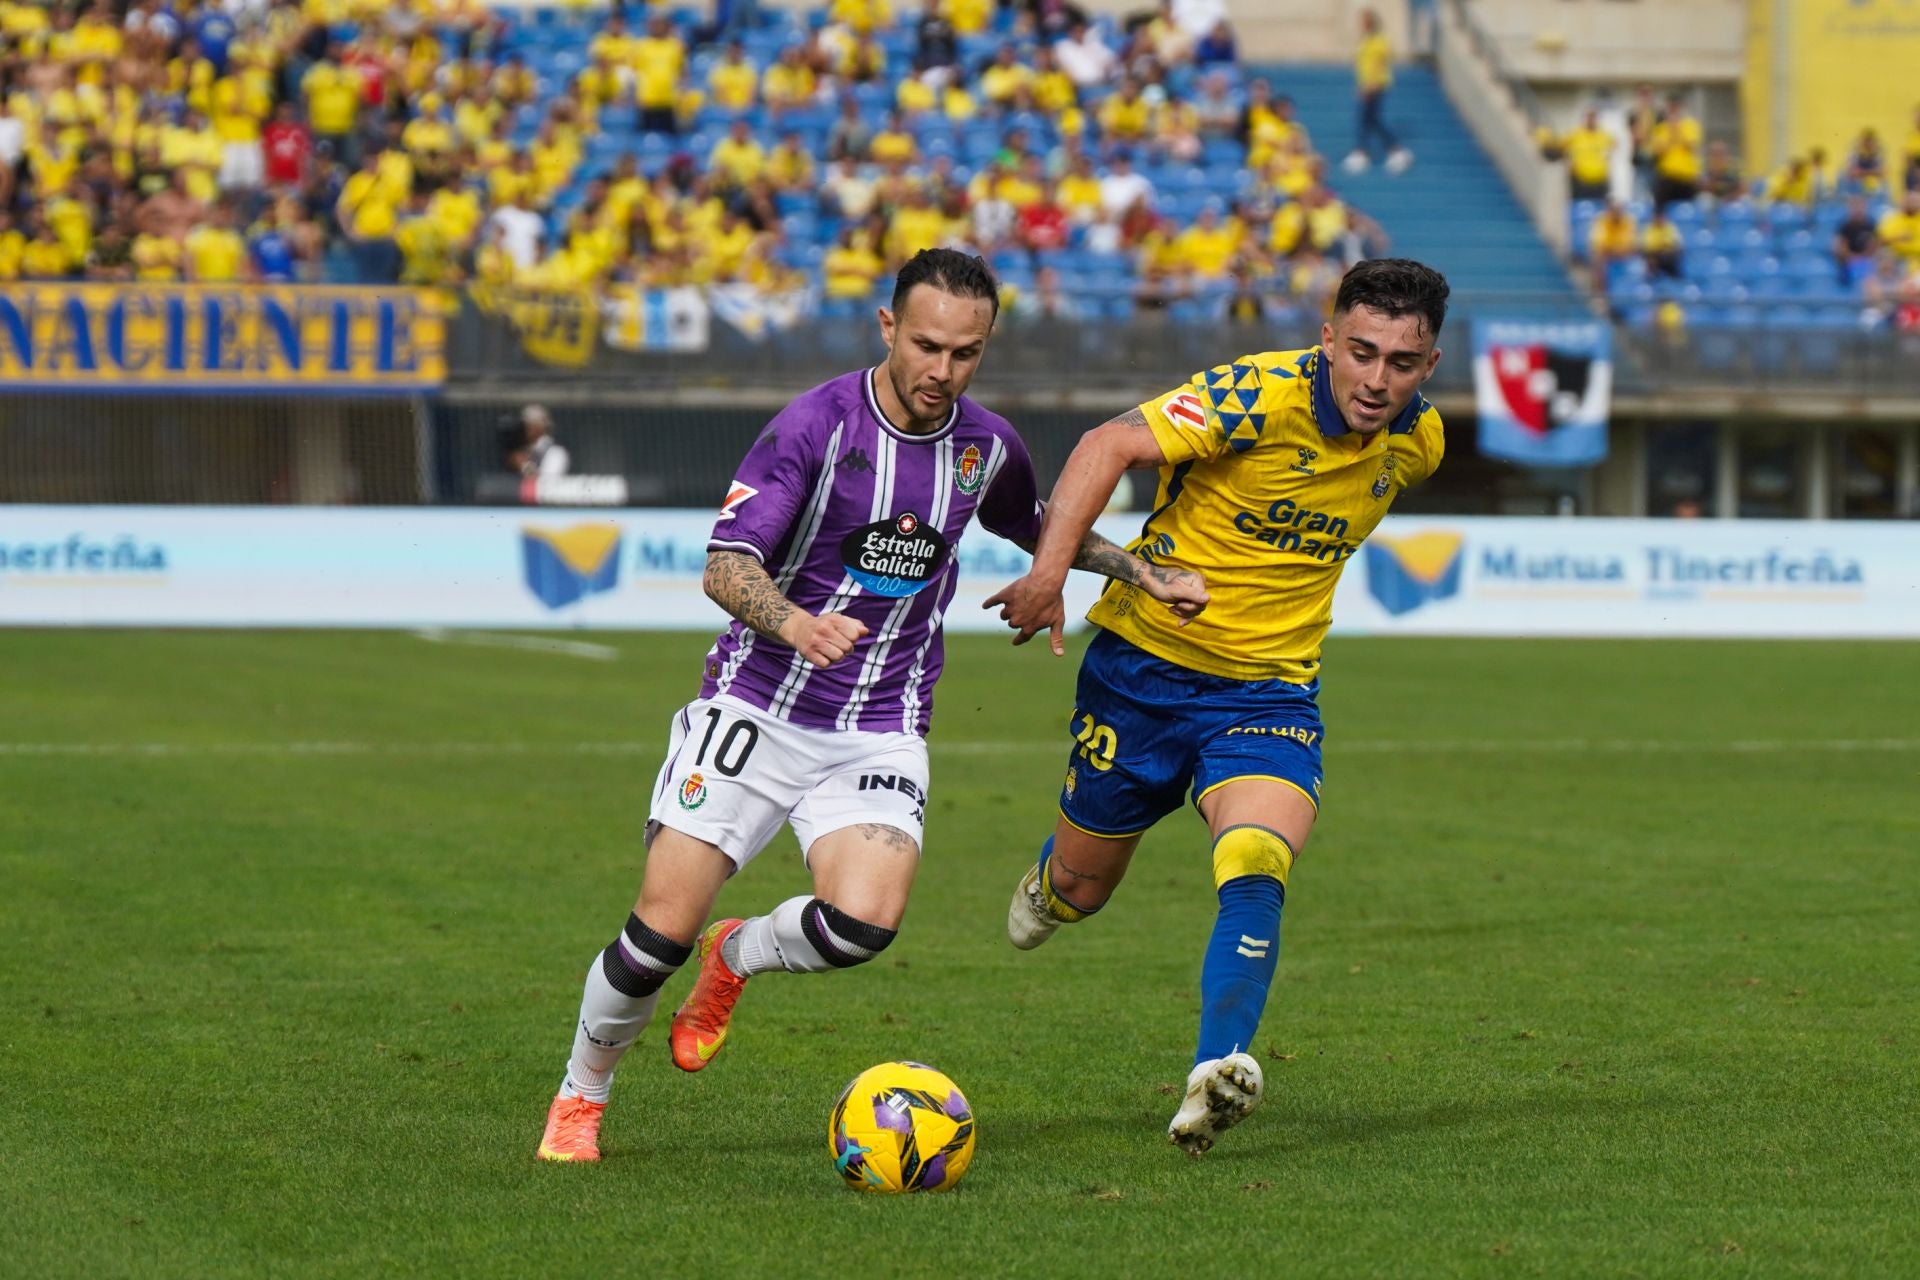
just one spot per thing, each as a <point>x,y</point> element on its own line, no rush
<point>734,773</point>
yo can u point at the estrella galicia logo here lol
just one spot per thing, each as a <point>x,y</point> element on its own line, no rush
<point>1307,459</point>
<point>693,792</point>
<point>969,470</point>
<point>1405,573</point>
<point>563,565</point>
<point>894,557</point>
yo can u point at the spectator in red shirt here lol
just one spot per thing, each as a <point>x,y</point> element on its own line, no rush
<point>288,146</point>
<point>1042,225</point>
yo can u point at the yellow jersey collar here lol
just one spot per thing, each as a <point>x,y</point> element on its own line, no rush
<point>1326,410</point>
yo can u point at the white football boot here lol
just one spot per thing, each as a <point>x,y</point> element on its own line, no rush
<point>1029,922</point>
<point>1220,1094</point>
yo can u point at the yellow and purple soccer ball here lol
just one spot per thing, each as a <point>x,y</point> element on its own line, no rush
<point>901,1126</point>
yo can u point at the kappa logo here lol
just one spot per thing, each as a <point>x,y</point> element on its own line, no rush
<point>969,470</point>
<point>1186,410</point>
<point>1307,459</point>
<point>735,496</point>
<point>693,792</point>
<point>856,460</point>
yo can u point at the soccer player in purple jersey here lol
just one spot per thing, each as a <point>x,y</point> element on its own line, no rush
<point>835,553</point>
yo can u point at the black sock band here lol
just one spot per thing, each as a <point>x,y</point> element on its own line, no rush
<point>640,960</point>
<point>841,940</point>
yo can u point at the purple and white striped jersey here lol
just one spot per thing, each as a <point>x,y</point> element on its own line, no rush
<point>851,515</point>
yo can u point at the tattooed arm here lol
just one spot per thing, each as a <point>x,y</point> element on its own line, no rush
<point>1033,603</point>
<point>739,584</point>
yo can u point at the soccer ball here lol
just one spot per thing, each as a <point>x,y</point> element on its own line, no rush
<point>901,1126</point>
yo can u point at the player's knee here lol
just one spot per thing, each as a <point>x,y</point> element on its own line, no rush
<point>842,940</point>
<point>1251,851</point>
<point>641,959</point>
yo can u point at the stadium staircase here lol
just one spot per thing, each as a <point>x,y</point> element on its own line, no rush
<point>1452,209</point>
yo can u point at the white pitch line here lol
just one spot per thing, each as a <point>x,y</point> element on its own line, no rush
<point>1563,746</point>
<point>526,644</point>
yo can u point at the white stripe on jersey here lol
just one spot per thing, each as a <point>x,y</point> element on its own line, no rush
<point>800,670</point>
<point>809,525</point>
<point>910,696</point>
<point>890,631</point>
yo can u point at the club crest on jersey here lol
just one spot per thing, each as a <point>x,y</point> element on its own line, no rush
<point>969,470</point>
<point>735,496</point>
<point>1383,481</point>
<point>693,792</point>
<point>895,557</point>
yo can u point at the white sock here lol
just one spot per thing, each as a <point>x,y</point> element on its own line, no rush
<point>803,935</point>
<point>622,990</point>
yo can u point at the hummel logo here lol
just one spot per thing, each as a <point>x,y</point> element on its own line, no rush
<point>1253,948</point>
<point>1305,465</point>
<point>857,460</point>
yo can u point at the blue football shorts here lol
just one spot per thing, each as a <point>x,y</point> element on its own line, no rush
<point>1147,732</point>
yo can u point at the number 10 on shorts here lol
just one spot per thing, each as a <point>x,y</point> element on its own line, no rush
<point>1098,742</point>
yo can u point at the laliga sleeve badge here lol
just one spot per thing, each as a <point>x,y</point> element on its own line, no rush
<point>894,557</point>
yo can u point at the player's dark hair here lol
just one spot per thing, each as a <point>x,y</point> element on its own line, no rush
<point>1395,287</point>
<point>961,274</point>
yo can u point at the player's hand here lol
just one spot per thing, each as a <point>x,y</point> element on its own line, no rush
<point>824,640</point>
<point>1030,608</point>
<point>1181,590</point>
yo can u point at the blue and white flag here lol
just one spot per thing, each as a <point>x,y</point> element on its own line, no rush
<point>1543,390</point>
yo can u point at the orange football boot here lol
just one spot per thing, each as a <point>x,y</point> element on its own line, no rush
<point>573,1130</point>
<point>700,1026</point>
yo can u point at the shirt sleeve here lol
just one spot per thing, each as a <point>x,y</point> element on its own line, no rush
<point>1417,454</point>
<point>1011,505</point>
<point>1204,417</point>
<point>769,491</point>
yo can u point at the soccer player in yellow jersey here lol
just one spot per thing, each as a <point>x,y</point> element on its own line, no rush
<point>1274,468</point>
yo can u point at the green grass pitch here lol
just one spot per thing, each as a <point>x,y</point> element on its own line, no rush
<point>1602,961</point>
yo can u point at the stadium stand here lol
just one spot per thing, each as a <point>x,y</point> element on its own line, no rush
<point>439,143</point>
<point>1810,255</point>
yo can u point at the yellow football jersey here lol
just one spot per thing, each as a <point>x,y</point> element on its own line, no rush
<point>1267,494</point>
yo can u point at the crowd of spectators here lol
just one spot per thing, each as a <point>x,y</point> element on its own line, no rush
<point>438,143</point>
<point>1662,215</point>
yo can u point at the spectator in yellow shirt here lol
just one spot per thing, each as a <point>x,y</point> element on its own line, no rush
<point>1793,184</point>
<point>967,17</point>
<point>738,158</point>
<point>1372,77</point>
<point>659,58</point>
<point>600,82</point>
<point>1126,116</point>
<point>1206,248</point>
<point>1005,77</point>
<point>862,16</point>
<point>44,257</point>
<point>851,268</point>
<point>789,81</point>
<point>214,251</point>
<point>13,245</point>
<point>368,212</point>
<point>239,110</point>
<point>915,225</point>
<point>895,142</point>
<point>1900,230</point>
<point>71,215</point>
<point>333,91</point>
<point>733,82</point>
<point>1588,152</point>
<point>1613,238</point>
<point>790,165</point>
<point>155,257</point>
<point>1676,148</point>
<point>1661,246</point>
<point>614,44</point>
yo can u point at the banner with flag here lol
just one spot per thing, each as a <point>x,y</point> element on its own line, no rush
<point>637,319</point>
<point>758,315</point>
<point>1543,390</point>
